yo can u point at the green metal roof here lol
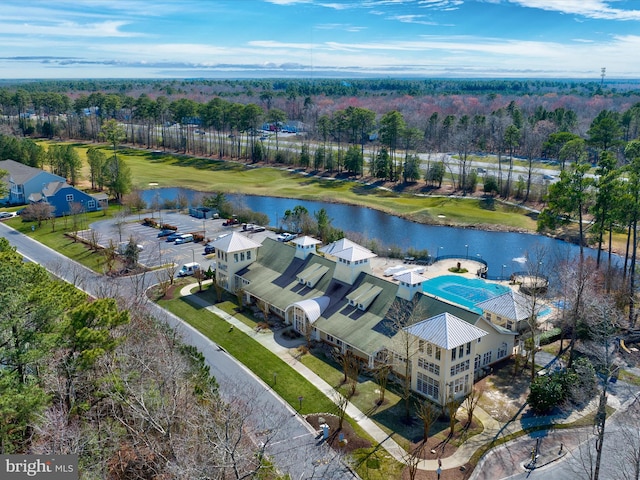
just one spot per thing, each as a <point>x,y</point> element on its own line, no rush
<point>273,278</point>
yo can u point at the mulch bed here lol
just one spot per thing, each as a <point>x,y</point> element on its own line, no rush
<point>444,448</point>
<point>354,441</point>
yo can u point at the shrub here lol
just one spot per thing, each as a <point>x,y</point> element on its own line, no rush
<point>546,393</point>
<point>550,336</point>
<point>166,226</point>
<point>150,222</point>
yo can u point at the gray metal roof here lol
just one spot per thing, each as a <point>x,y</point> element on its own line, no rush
<point>235,242</point>
<point>446,331</point>
<point>512,305</point>
<point>21,173</point>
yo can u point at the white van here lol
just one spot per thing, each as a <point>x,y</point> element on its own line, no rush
<point>184,238</point>
<point>188,269</point>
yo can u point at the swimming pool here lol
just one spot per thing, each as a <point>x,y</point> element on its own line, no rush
<point>462,290</point>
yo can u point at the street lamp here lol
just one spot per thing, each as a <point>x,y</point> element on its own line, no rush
<point>300,398</point>
<point>502,272</point>
<point>467,254</point>
<point>440,251</point>
<point>193,255</point>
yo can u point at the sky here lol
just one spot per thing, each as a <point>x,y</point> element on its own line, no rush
<point>319,39</point>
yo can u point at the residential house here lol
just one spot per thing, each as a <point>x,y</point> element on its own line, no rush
<point>67,200</point>
<point>23,181</point>
<point>332,296</point>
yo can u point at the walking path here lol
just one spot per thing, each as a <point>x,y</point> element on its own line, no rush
<point>492,430</point>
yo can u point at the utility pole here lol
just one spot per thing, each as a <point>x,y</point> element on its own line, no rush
<point>602,74</point>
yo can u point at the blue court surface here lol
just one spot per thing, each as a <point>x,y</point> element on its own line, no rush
<point>463,291</point>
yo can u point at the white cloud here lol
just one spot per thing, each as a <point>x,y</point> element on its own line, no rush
<point>598,9</point>
<point>109,28</point>
<point>418,19</point>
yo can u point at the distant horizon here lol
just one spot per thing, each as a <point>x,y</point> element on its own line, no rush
<point>327,77</point>
<point>252,39</point>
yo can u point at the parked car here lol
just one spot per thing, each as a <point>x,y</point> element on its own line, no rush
<point>258,228</point>
<point>184,238</point>
<point>6,214</point>
<point>122,247</point>
<point>231,222</point>
<point>286,237</point>
<point>188,269</point>
<point>208,249</point>
<point>173,237</point>
<point>165,233</point>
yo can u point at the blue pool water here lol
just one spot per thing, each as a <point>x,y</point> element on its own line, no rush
<point>463,291</point>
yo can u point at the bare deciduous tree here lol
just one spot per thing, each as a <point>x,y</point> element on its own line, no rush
<point>404,314</point>
<point>427,412</point>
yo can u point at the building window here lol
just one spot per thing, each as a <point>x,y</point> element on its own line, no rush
<point>428,366</point>
<point>510,325</point>
<point>427,385</point>
<point>235,257</point>
<point>468,348</point>
<point>249,255</point>
<point>429,349</point>
<point>437,353</point>
<point>91,204</point>
<point>330,339</point>
<point>488,316</point>
<point>461,351</point>
<point>486,358</point>
<point>421,346</point>
<point>459,368</point>
<point>453,354</point>
<point>69,197</point>
<point>476,362</point>
<point>502,351</point>
<point>459,385</point>
<point>242,256</point>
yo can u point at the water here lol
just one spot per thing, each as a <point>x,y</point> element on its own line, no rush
<point>504,252</point>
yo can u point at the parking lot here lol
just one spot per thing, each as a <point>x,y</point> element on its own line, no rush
<point>157,251</point>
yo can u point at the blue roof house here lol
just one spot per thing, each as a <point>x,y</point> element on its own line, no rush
<point>23,181</point>
<point>67,199</point>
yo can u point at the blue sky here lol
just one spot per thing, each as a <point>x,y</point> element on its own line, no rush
<point>317,38</point>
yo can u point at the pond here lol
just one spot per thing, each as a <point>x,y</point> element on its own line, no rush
<point>504,252</point>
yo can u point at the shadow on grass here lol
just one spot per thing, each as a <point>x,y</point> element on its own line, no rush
<point>488,203</point>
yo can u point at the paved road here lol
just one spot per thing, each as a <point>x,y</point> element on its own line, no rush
<point>569,453</point>
<point>288,438</point>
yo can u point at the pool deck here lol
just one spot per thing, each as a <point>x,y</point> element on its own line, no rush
<point>380,264</point>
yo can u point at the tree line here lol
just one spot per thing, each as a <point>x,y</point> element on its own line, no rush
<point>387,145</point>
<point>98,377</point>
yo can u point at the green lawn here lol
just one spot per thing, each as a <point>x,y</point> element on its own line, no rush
<point>54,235</point>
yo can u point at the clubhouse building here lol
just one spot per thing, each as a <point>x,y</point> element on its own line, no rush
<point>329,294</point>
